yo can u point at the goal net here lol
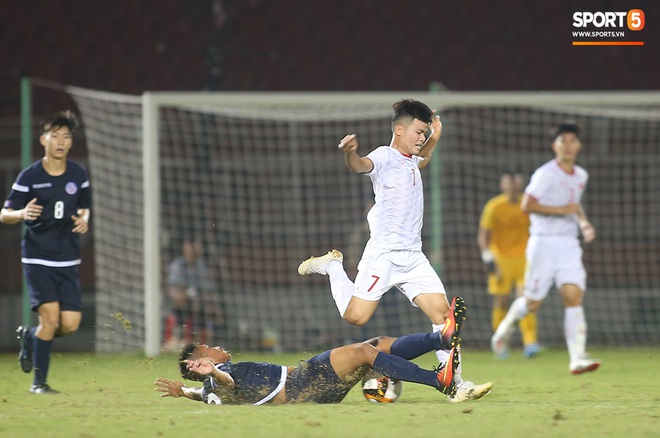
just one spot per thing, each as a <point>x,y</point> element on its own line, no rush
<point>257,180</point>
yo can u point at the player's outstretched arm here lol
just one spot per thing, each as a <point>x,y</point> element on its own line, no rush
<point>354,162</point>
<point>176,389</point>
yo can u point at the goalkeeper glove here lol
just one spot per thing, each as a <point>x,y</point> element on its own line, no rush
<point>489,261</point>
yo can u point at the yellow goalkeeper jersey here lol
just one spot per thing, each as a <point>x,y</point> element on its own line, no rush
<point>508,224</point>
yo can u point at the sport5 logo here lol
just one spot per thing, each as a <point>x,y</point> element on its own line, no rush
<point>634,19</point>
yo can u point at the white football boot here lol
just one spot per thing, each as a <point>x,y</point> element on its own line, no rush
<point>499,343</point>
<point>318,265</point>
<point>583,366</point>
<point>466,391</point>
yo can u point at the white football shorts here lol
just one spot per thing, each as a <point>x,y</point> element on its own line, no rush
<point>381,269</point>
<point>553,260</point>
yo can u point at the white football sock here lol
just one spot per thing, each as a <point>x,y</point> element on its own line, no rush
<point>519,308</point>
<point>340,285</point>
<point>517,311</point>
<point>575,330</point>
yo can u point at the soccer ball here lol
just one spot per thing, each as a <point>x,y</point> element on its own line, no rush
<point>380,389</point>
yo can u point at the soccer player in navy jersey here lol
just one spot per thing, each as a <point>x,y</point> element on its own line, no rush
<point>325,378</point>
<point>52,197</point>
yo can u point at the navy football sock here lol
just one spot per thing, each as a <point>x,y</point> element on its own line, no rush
<point>412,346</point>
<point>41,360</point>
<point>30,335</point>
<point>398,368</point>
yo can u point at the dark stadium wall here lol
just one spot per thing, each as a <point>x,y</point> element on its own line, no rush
<point>379,45</point>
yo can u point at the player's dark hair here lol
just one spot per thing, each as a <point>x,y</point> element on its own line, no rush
<point>511,172</point>
<point>568,126</point>
<point>186,353</point>
<point>60,120</point>
<point>411,109</point>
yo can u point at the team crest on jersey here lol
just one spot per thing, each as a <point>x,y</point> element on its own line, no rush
<point>71,188</point>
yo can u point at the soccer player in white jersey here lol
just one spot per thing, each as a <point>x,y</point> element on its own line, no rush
<point>554,254</point>
<point>393,255</point>
<point>52,198</point>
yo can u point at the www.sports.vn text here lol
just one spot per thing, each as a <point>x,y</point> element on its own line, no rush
<point>598,34</point>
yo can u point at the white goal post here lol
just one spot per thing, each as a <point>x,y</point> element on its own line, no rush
<point>258,211</point>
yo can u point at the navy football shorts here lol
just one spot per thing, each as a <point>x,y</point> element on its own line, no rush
<point>315,381</point>
<point>46,285</point>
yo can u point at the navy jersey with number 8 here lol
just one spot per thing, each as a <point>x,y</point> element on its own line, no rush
<point>49,239</point>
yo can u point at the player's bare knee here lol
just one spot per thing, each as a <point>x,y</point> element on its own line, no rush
<point>365,353</point>
<point>572,301</point>
<point>355,320</point>
<point>67,330</point>
<point>49,324</point>
<point>379,341</point>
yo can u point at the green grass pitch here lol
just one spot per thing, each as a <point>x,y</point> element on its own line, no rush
<point>113,395</point>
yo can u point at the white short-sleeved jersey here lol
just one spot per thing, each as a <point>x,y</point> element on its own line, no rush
<point>551,186</point>
<point>395,220</point>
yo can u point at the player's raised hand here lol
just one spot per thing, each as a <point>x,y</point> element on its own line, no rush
<point>200,366</point>
<point>348,144</point>
<point>354,162</point>
<point>80,222</point>
<point>32,210</point>
<point>436,125</point>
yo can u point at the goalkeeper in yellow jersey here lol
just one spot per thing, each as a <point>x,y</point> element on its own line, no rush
<point>502,238</point>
